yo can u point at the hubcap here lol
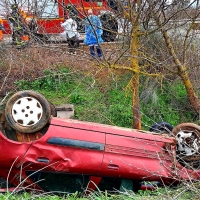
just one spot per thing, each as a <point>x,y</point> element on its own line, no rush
<point>187,143</point>
<point>27,111</point>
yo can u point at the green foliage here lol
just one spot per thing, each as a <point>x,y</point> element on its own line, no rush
<point>182,192</point>
<point>171,104</point>
<point>112,103</point>
<point>119,108</point>
<point>52,81</point>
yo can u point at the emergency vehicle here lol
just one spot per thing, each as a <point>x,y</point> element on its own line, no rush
<point>48,14</point>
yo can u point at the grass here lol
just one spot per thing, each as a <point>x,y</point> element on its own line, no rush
<point>110,102</point>
<point>182,192</point>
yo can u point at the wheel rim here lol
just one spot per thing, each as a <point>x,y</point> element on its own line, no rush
<point>27,111</point>
<point>187,142</point>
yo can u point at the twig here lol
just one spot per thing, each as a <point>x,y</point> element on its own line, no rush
<point>1,103</point>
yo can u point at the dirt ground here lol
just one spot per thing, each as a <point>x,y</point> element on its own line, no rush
<point>30,63</point>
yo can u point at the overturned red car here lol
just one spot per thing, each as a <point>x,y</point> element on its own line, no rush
<point>43,152</point>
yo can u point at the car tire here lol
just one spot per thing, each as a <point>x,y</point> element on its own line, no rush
<point>27,111</point>
<point>187,127</point>
<point>161,127</point>
<point>188,138</point>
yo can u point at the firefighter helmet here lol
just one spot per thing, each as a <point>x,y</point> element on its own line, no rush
<point>14,6</point>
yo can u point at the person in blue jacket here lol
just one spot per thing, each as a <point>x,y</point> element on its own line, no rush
<point>93,31</point>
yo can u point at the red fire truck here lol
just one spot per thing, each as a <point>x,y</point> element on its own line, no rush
<point>49,13</point>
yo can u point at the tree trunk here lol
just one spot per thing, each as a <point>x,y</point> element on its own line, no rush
<point>182,71</point>
<point>135,79</point>
<point>189,88</point>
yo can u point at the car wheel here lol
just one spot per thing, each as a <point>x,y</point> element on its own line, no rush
<point>161,127</point>
<point>27,111</point>
<point>188,139</point>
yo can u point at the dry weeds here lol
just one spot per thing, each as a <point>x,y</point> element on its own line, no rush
<point>30,63</point>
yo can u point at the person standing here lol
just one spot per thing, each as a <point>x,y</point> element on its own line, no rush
<point>17,22</point>
<point>93,31</point>
<point>1,29</point>
<point>72,34</point>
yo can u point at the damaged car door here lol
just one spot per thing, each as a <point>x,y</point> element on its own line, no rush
<point>65,158</point>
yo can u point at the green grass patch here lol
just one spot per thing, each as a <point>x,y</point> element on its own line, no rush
<point>111,103</point>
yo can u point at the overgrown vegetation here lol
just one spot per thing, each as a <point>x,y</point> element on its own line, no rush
<point>110,102</point>
<point>182,192</point>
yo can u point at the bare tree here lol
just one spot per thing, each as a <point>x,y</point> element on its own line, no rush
<point>175,22</point>
<point>132,25</point>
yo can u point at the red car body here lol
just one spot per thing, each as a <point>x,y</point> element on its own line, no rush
<point>96,151</point>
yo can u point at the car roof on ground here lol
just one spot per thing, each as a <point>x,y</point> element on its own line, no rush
<point>103,128</point>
